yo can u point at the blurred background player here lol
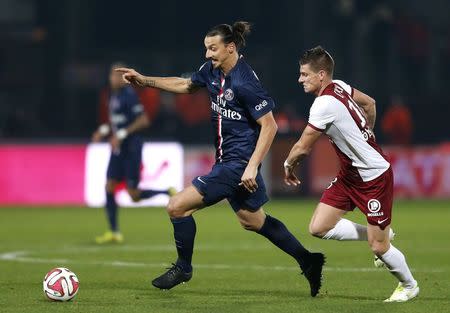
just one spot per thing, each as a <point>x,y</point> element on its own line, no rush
<point>244,128</point>
<point>126,119</point>
<point>347,117</point>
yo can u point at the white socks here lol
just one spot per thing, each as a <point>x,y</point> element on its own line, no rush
<point>347,230</point>
<point>396,263</point>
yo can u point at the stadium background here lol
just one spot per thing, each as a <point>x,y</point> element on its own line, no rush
<point>54,60</point>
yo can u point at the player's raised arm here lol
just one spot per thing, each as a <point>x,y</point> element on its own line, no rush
<point>367,103</point>
<point>171,84</point>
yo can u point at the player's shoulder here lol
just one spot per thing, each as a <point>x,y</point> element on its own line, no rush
<point>348,89</point>
<point>245,77</point>
<point>205,67</point>
<point>337,90</point>
<point>325,102</point>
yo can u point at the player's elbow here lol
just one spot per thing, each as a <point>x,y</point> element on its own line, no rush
<point>270,126</point>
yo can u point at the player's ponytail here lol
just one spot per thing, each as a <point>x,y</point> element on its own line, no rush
<point>235,33</point>
<point>240,30</point>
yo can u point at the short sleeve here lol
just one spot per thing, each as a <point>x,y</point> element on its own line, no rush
<point>199,78</point>
<point>348,89</point>
<point>255,99</point>
<point>321,114</point>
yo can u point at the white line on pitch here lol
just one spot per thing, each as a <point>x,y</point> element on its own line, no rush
<point>21,256</point>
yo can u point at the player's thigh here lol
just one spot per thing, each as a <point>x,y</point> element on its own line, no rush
<point>378,238</point>
<point>132,164</point>
<point>375,198</point>
<point>111,185</point>
<point>242,199</point>
<point>251,220</point>
<point>334,203</point>
<point>185,202</point>
<point>324,218</point>
<point>217,185</point>
<point>115,169</point>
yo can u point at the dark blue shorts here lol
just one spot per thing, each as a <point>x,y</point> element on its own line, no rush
<point>126,165</point>
<point>223,183</point>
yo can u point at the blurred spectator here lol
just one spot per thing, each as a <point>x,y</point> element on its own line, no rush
<point>149,97</point>
<point>288,121</point>
<point>168,125</point>
<point>397,124</point>
<point>194,108</point>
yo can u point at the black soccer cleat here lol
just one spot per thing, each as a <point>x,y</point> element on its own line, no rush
<point>313,272</point>
<point>174,276</point>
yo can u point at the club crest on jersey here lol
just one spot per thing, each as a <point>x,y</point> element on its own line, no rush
<point>229,94</point>
<point>374,207</point>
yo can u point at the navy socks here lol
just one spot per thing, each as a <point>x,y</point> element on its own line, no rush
<point>111,211</point>
<point>279,235</point>
<point>184,233</point>
<point>150,193</point>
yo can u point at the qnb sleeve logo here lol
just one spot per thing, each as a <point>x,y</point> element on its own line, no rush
<point>374,206</point>
<point>261,105</point>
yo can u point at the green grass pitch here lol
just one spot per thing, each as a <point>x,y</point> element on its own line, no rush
<point>234,270</point>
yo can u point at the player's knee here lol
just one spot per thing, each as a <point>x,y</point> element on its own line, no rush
<point>110,186</point>
<point>135,194</point>
<point>318,230</point>
<point>379,247</point>
<point>249,225</point>
<point>174,208</point>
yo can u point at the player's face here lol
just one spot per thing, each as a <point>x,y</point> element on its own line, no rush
<point>115,80</point>
<point>311,80</point>
<point>217,51</point>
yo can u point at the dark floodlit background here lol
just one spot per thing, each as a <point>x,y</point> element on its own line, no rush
<point>55,58</point>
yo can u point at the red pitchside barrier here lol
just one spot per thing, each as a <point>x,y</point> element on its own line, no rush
<point>419,171</point>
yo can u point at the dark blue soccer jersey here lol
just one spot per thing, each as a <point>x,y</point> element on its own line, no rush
<point>124,108</point>
<point>237,101</point>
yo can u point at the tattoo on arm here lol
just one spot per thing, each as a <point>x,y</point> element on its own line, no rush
<point>150,83</point>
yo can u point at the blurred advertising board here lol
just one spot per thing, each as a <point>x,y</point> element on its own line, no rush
<point>161,168</point>
<point>419,171</point>
<point>198,161</point>
<point>40,174</point>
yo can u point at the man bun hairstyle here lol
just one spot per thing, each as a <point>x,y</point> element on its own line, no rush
<point>235,33</point>
<point>318,59</point>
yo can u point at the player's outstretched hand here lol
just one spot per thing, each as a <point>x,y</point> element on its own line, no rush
<point>289,177</point>
<point>130,76</point>
<point>248,179</point>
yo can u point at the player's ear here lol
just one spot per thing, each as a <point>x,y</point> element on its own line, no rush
<point>231,47</point>
<point>322,74</point>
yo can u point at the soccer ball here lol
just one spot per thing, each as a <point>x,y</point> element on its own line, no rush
<point>60,284</point>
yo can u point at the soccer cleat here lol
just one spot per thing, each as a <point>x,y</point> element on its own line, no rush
<point>314,272</point>
<point>109,237</point>
<point>403,294</point>
<point>174,276</point>
<point>376,260</point>
<point>171,191</point>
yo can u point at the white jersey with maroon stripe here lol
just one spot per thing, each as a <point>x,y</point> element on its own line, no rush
<point>336,114</point>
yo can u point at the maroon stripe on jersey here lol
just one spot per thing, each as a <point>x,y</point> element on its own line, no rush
<point>343,97</point>
<point>316,128</point>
